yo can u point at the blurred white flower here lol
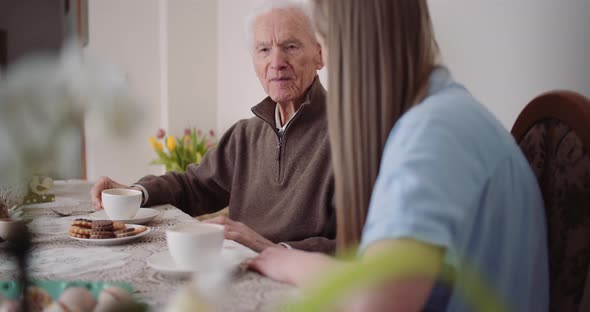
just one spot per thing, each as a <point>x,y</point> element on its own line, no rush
<point>210,287</point>
<point>187,299</point>
<point>43,100</point>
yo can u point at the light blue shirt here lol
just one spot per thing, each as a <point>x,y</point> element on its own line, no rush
<point>453,177</point>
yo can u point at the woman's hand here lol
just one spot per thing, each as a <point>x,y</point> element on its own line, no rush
<point>291,266</point>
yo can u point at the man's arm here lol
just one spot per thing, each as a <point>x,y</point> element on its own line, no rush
<point>241,233</point>
<point>315,244</point>
<point>204,188</point>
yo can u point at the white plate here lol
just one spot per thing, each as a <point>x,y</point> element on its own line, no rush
<point>164,263</point>
<point>114,241</point>
<point>143,216</point>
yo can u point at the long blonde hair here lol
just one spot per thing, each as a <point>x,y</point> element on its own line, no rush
<point>380,57</point>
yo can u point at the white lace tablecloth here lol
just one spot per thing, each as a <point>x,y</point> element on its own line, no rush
<point>57,257</point>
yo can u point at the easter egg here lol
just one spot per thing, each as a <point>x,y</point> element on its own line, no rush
<point>76,299</point>
<point>114,298</point>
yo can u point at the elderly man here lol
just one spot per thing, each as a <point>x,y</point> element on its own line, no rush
<point>273,170</point>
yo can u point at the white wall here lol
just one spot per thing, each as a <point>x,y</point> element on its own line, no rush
<point>192,64</point>
<point>125,33</point>
<point>169,50</point>
<point>507,52</point>
<point>238,87</point>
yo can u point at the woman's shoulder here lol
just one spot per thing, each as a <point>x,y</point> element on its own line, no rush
<point>451,106</point>
<point>453,109</point>
<point>448,100</point>
<point>450,121</point>
<point>451,103</point>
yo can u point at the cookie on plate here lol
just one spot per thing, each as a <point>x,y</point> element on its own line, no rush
<point>103,225</point>
<point>77,235</point>
<point>79,230</point>
<point>140,229</point>
<point>127,230</point>
<point>117,226</point>
<point>85,223</point>
<point>102,234</point>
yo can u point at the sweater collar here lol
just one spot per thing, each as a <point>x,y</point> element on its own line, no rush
<point>265,110</point>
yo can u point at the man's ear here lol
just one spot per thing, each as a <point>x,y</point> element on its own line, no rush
<point>320,58</point>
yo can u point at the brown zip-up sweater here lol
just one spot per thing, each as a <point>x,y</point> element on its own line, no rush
<point>282,188</point>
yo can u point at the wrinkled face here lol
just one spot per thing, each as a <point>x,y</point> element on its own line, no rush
<point>285,54</point>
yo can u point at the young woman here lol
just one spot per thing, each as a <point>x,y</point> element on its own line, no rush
<point>418,161</point>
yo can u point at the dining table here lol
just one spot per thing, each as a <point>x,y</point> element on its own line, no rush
<point>56,256</point>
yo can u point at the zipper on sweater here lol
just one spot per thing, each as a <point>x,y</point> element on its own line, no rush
<point>279,147</point>
<point>278,158</point>
<point>281,137</point>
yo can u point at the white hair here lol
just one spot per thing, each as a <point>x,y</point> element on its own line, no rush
<point>269,5</point>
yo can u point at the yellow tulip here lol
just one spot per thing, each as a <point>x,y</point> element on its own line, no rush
<point>159,147</point>
<point>199,157</point>
<point>154,143</point>
<point>171,143</point>
<point>187,140</point>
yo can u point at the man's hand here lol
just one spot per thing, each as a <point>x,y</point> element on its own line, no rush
<point>291,266</point>
<point>242,234</point>
<point>103,183</point>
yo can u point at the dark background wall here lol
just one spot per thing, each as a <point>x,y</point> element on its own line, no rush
<point>32,25</point>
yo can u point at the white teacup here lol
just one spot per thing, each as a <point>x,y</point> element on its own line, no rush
<point>121,204</point>
<point>194,245</point>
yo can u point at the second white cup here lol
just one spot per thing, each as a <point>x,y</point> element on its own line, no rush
<point>195,245</point>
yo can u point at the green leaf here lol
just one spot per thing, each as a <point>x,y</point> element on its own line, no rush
<point>194,138</point>
<point>157,162</point>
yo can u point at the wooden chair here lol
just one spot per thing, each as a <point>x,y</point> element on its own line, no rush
<point>553,131</point>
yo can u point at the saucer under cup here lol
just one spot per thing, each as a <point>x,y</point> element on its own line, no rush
<point>121,204</point>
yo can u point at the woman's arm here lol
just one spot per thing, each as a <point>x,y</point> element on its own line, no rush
<point>295,267</point>
<point>303,268</point>
<point>406,294</point>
